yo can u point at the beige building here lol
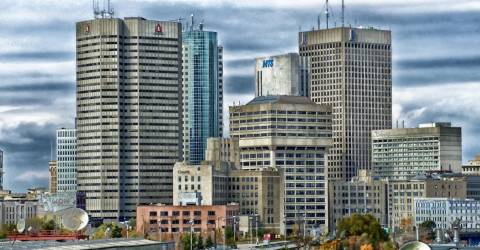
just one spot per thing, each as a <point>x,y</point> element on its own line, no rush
<point>472,167</point>
<point>402,153</point>
<point>219,181</point>
<point>402,193</point>
<point>258,192</point>
<point>291,134</point>
<point>52,183</point>
<point>363,194</point>
<point>129,106</point>
<point>351,70</point>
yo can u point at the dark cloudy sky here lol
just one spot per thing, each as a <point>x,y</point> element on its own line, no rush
<point>436,53</point>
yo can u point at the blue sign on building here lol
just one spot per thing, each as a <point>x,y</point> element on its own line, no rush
<point>267,63</point>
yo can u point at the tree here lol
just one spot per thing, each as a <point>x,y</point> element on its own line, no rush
<point>116,231</point>
<point>359,224</point>
<point>406,224</point>
<point>48,225</point>
<point>427,228</point>
<point>199,242</point>
<point>209,242</point>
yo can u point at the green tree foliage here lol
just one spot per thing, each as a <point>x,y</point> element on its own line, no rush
<point>107,230</point>
<point>359,224</point>
<point>199,242</point>
<point>48,224</point>
<point>209,242</point>
<point>429,228</point>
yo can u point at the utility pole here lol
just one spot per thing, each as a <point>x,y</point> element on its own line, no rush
<point>191,234</point>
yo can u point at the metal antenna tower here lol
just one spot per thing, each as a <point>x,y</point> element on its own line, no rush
<point>327,13</point>
<point>343,13</point>
<point>106,12</point>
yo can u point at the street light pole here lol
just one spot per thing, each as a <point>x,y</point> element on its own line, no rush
<point>234,230</point>
<point>224,233</point>
<point>191,234</point>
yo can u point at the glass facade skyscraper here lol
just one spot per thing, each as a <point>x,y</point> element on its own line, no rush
<point>202,91</point>
<point>66,155</point>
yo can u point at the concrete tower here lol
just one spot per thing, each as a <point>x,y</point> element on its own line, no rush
<point>351,70</point>
<point>128,113</point>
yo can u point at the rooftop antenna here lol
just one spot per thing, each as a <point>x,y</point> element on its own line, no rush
<point>327,13</point>
<point>192,23</point>
<point>318,22</point>
<point>200,25</point>
<point>106,12</point>
<point>343,13</point>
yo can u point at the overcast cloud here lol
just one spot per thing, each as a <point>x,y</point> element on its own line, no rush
<point>436,53</point>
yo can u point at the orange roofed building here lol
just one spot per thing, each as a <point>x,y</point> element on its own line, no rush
<point>168,221</point>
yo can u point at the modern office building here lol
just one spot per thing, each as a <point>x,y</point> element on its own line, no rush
<point>472,167</point>
<point>399,154</point>
<point>291,134</point>
<point>168,222</point>
<point>66,156</point>
<point>445,211</point>
<point>52,183</point>
<point>351,70</point>
<point>471,171</point>
<point>402,193</point>
<point>202,91</point>
<point>129,108</point>
<point>1,170</point>
<point>285,74</point>
<point>363,194</point>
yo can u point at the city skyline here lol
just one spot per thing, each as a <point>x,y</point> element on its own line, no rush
<point>433,63</point>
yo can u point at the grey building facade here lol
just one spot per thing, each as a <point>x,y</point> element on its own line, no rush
<point>291,134</point>
<point>285,74</point>
<point>66,156</point>
<point>129,109</point>
<point>399,154</point>
<point>1,170</point>
<point>351,70</point>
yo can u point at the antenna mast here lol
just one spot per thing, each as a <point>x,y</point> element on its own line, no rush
<point>327,13</point>
<point>106,12</point>
<point>343,13</point>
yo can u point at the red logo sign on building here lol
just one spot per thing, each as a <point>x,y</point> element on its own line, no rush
<point>158,28</point>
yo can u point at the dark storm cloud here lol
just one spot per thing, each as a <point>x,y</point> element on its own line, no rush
<point>429,48</point>
<point>37,56</point>
<point>39,87</point>
<point>27,152</point>
<point>239,85</point>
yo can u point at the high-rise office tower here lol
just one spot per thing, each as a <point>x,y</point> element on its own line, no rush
<point>285,74</point>
<point>202,91</point>
<point>1,169</point>
<point>351,70</point>
<point>128,113</point>
<point>66,154</point>
<point>291,134</point>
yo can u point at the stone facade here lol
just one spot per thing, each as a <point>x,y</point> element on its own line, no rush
<point>351,70</point>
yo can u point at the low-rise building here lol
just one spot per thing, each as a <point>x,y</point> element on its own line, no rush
<point>11,211</point>
<point>445,211</point>
<point>402,193</point>
<point>363,194</point>
<point>402,153</point>
<point>164,221</point>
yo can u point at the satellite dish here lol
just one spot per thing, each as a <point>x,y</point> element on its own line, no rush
<point>21,225</point>
<point>74,219</point>
<point>415,245</point>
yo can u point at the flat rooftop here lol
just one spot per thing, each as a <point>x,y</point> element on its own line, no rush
<point>87,244</point>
